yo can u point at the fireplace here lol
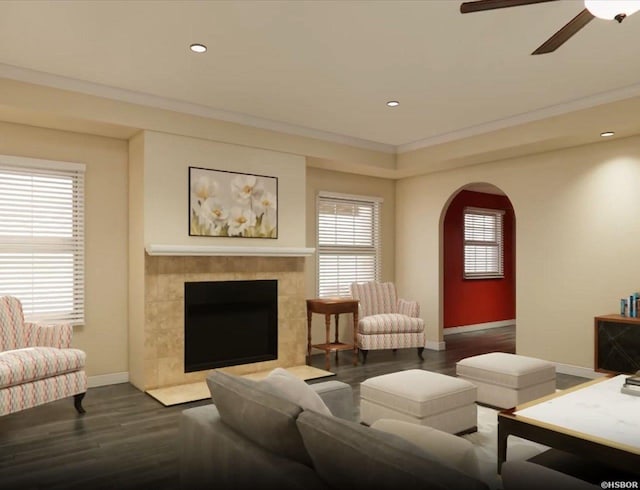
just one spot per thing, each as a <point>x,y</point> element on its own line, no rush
<point>227,323</point>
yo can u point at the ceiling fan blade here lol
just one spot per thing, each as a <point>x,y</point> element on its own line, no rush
<point>479,5</point>
<point>563,35</point>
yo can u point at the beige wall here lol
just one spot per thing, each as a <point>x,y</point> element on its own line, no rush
<point>104,336</point>
<point>577,239</point>
<point>326,180</point>
<point>166,188</point>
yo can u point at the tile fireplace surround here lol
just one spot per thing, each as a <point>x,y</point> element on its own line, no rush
<point>164,311</point>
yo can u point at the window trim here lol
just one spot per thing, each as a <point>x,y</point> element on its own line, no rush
<point>377,233</point>
<point>499,243</point>
<point>74,244</point>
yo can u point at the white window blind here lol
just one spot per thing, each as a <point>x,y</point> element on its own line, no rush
<point>348,248</point>
<point>42,238</point>
<point>483,243</point>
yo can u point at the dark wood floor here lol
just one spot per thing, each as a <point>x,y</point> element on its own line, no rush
<point>127,440</point>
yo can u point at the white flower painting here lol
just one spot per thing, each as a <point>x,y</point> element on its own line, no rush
<point>232,204</point>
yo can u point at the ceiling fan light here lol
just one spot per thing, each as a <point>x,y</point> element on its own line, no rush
<point>610,9</point>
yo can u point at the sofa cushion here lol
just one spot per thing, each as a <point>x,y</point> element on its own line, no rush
<point>390,323</point>
<point>33,363</point>
<point>350,455</point>
<point>452,451</point>
<point>258,414</point>
<point>282,383</point>
<point>214,456</point>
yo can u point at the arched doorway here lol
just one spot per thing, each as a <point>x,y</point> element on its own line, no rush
<point>478,292</point>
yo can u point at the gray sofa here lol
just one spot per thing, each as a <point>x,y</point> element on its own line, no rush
<point>253,437</point>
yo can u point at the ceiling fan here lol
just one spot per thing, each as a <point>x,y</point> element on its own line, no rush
<point>603,9</point>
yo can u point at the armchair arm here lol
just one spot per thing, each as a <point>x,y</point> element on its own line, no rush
<point>37,335</point>
<point>409,308</point>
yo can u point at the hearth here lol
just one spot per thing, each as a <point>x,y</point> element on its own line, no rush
<point>227,323</point>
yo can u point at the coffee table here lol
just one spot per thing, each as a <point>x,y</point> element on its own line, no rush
<point>593,420</point>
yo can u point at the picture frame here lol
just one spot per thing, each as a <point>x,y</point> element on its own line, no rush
<point>232,204</point>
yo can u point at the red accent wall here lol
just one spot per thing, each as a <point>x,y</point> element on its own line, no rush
<point>471,301</point>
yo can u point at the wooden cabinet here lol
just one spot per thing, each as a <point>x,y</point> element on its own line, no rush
<point>617,344</point>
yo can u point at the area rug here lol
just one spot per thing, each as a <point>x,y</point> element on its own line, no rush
<point>191,392</point>
<point>485,442</point>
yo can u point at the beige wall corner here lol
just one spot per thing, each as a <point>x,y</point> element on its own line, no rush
<point>137,291</point>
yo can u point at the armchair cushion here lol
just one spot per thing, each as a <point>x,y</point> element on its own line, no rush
<point>390,323</point>
<point>34,363</point>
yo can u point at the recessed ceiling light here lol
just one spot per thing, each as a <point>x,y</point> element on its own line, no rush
<point>606,134</point>
<point>198,48</point>
<point>393,103</point>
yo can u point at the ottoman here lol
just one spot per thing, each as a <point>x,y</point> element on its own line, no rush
<point>422,397</point>
<point>506,380</point>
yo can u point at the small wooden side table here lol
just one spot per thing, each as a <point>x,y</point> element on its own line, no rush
<point>328,307</point>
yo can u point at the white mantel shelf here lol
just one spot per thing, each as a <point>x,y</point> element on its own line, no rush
<point>208,250</point>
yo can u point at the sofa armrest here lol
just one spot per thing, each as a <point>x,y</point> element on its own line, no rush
<point>409,308</point>
<point>38,335</point>
<point>447,449</point>
<point>523,475</point>
<point>338,397</point>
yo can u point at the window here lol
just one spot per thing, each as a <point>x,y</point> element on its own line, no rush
<point>348,242</point>
<point>42,237</point>
<point>483,247</point>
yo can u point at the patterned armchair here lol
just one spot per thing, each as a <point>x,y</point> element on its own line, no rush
<point>37,364</point>
<point>386,322</point>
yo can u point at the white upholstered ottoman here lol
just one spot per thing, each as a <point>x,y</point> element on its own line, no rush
<point>422,397</point>
<point>506,380</point>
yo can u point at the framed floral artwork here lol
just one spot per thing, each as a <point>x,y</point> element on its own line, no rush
<point>232,204</point>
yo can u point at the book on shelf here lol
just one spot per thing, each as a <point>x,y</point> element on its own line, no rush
<point>630,306</point>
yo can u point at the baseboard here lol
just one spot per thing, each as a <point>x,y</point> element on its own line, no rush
<point>108,379</point>
<point>478,326</point>
<point>583,372</point>
<point>433,345</point>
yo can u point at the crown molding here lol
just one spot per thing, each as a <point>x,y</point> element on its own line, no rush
<point>526,117</point>
<point>122,95</point>
<point>139,98</point>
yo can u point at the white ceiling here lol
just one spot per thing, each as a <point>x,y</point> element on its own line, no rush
<point>330,66</point>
